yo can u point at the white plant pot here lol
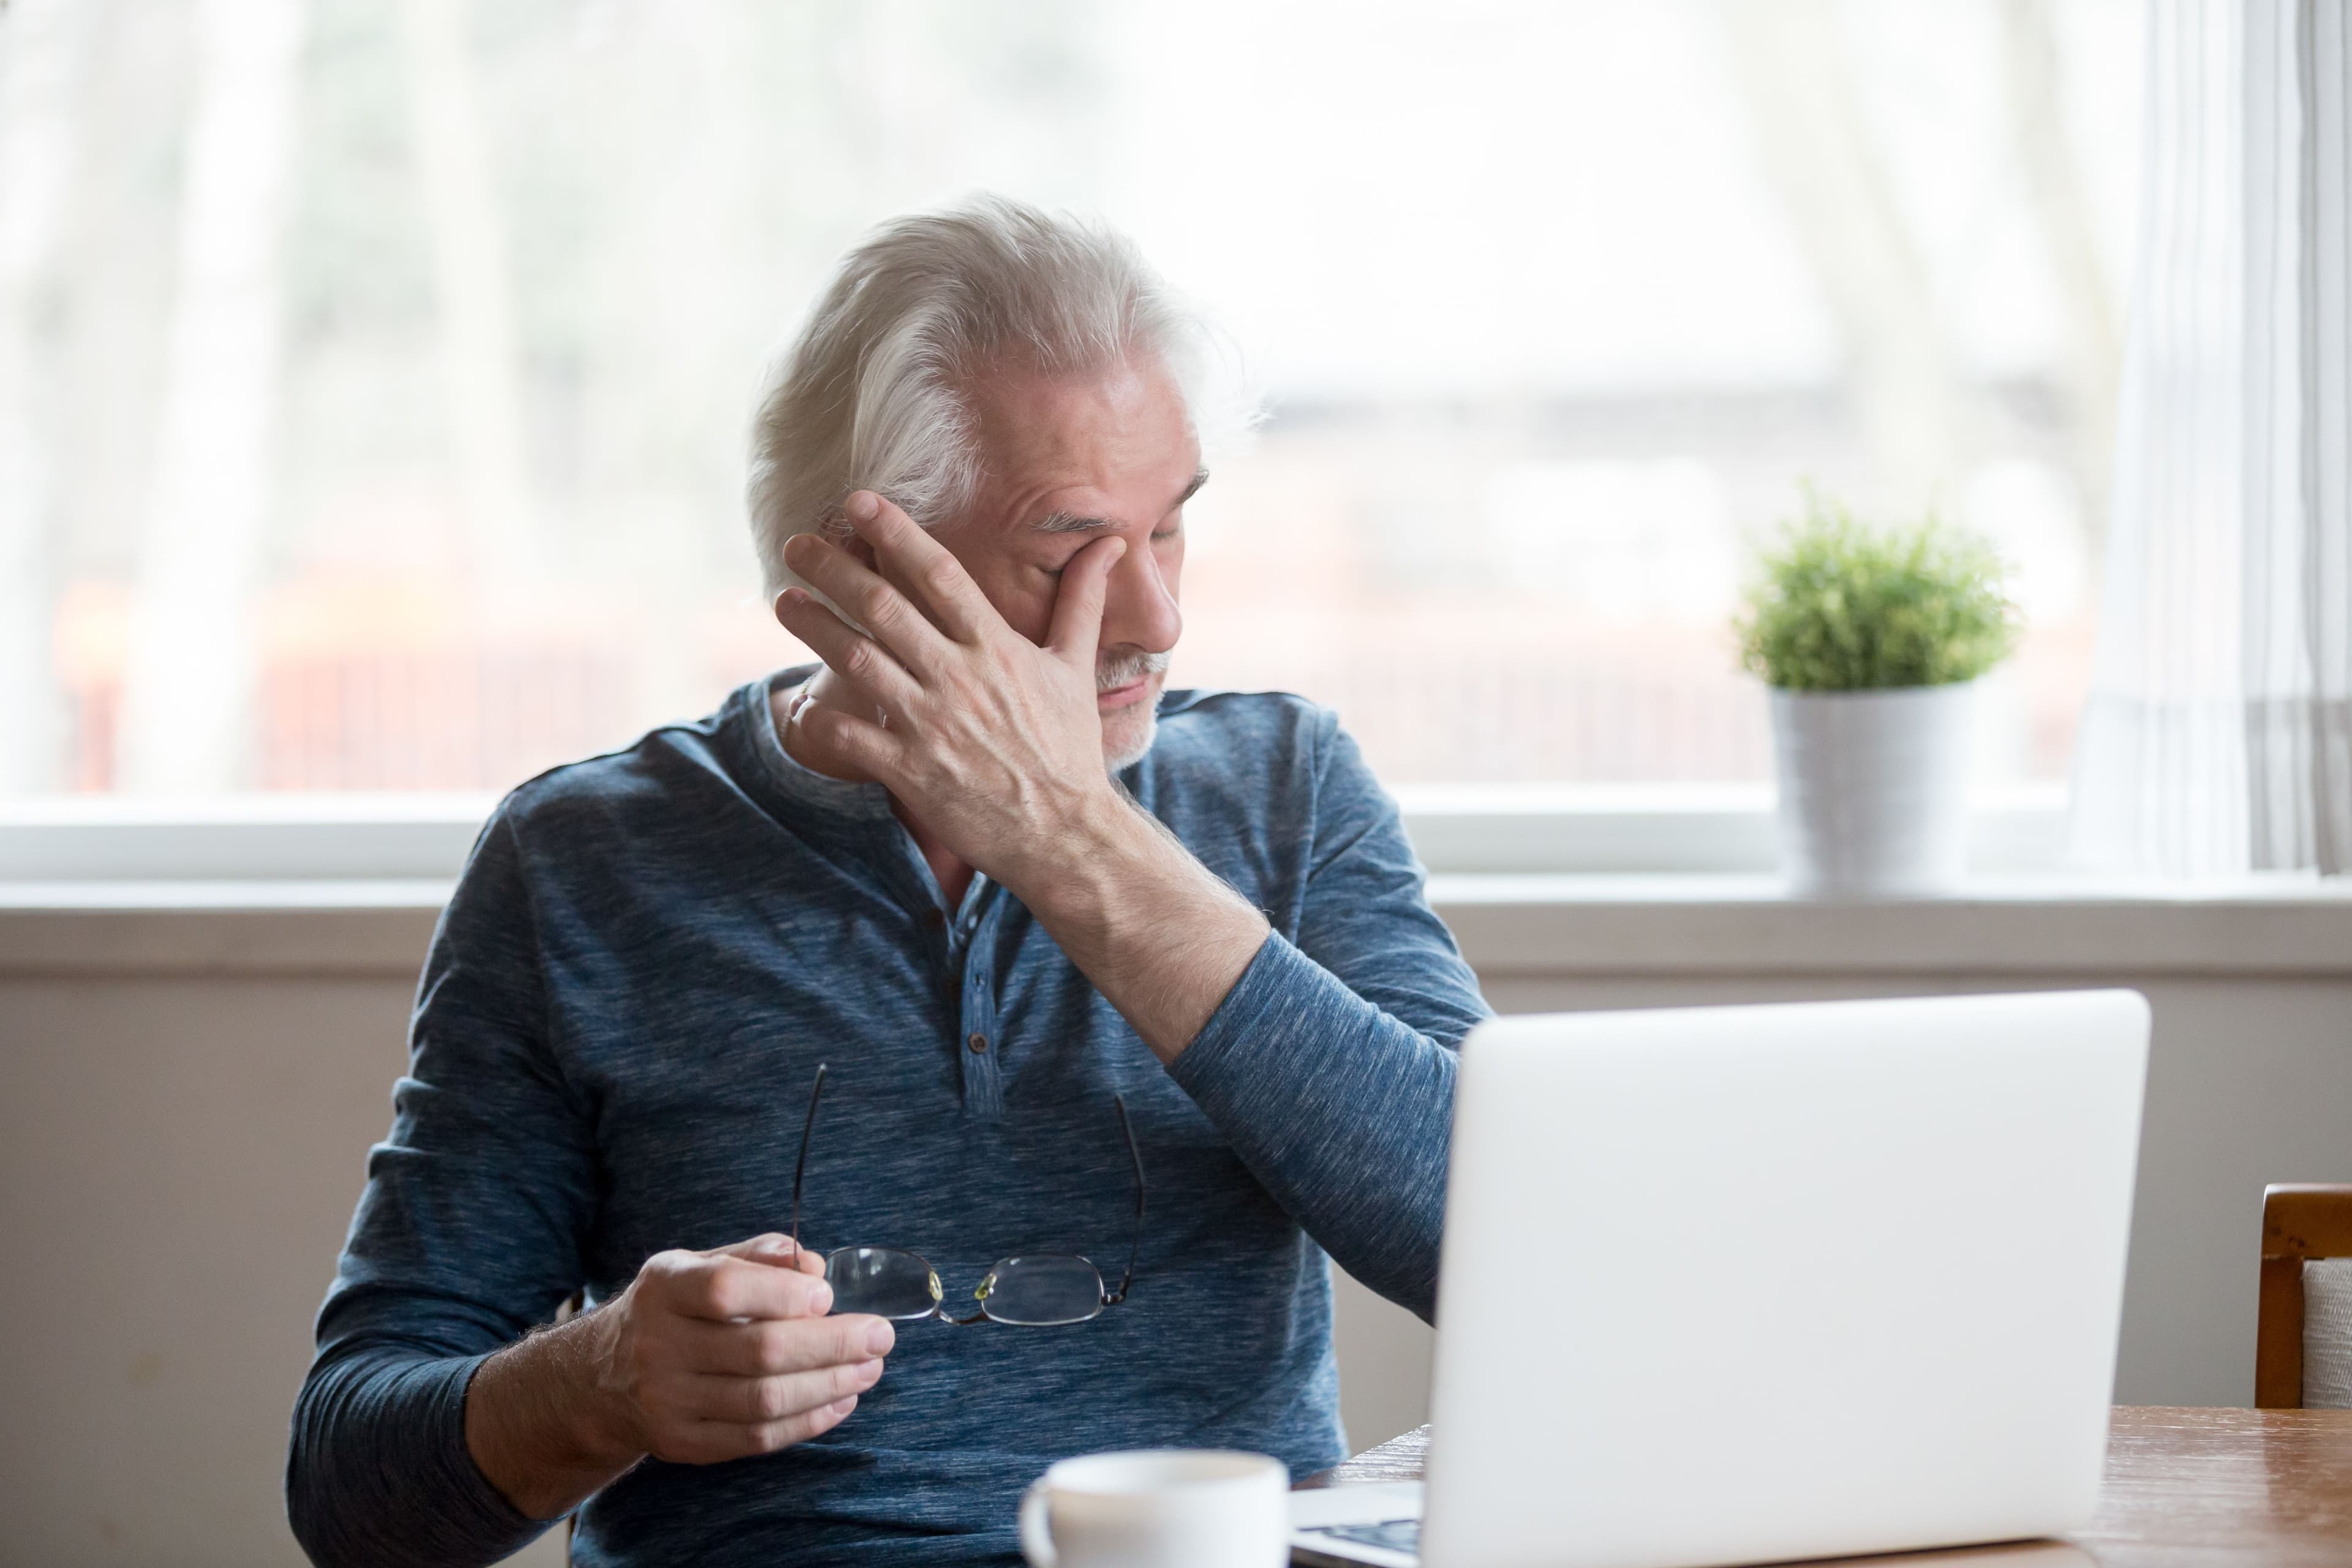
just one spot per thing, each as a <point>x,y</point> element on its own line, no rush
<point>1874,789</point>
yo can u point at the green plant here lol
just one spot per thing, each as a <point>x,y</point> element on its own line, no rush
<point>1839,607</point>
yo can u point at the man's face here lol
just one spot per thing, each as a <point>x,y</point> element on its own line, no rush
<point>1067,461</point>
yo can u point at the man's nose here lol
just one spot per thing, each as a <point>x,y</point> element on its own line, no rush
<point>1140,604</point>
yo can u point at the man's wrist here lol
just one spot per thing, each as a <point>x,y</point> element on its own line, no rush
<point>543,1423</point>
<point>1163,937</point>
<point>605,1421</point>
<point>1079,871</point>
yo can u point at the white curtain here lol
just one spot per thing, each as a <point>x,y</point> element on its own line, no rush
<point>2219,734</point>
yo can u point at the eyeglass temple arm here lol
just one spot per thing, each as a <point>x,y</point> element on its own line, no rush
<point>800,1166</point>
<point>1134,1246</point>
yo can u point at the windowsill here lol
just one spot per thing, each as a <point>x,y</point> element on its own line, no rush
<point>1556,924</point>
<point>2046,924</point>
<point>1506,829</point>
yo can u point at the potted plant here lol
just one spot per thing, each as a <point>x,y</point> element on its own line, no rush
<point>1872,641</point>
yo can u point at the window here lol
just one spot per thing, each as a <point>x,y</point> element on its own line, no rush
<point>374,373</point>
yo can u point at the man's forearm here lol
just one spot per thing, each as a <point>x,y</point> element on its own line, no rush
<point>537,1426</point>
<point>1339,1109</point>
<point>1160,936</point>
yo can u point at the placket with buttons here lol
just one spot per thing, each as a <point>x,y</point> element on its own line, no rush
<point>973,942</point>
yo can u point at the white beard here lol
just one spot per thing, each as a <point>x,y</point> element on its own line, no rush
<point>1127,756</point>
<point>1112,674</point>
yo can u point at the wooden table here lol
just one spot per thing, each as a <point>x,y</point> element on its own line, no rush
<point>2184,1488</point>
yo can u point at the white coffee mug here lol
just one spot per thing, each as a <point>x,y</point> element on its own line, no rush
<point>1159,1508</point>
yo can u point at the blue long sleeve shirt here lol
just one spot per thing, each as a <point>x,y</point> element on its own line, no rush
<point>624,1007</point>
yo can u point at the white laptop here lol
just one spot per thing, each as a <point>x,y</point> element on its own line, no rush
<point>1748,1284</point>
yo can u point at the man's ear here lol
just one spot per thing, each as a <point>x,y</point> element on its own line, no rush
<point>835,530</point>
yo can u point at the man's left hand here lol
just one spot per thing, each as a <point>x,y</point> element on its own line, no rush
<point>993,741</point>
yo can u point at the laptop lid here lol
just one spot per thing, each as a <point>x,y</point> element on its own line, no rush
<point>1738,1284</point>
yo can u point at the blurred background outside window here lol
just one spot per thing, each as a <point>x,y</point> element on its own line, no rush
<point>373,374</point>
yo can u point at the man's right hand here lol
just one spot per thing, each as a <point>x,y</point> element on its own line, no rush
<point>705,1356</point>
<point>714,1356</point>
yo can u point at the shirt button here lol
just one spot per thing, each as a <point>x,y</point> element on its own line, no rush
<point>979,1044</point>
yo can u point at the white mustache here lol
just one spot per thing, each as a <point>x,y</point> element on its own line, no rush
<point>1126,669</point>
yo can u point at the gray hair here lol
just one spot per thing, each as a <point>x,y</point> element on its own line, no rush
<point>869,395</point>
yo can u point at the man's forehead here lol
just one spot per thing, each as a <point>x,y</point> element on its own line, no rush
<point>1046,404</point>
<point>1075,453</point>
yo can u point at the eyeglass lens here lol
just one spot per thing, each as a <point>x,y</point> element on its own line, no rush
<point>1042,1291</point>
<point>882,1280</point>
<point>1039,1292</point>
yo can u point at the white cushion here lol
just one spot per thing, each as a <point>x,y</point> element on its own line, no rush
<point>2328,1334</point>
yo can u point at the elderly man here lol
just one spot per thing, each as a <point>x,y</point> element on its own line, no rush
<point>913,868</point>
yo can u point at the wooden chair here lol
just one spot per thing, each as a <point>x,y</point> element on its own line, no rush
<point>2299,1223</point>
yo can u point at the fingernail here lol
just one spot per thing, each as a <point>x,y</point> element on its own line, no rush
<point>880,1338</point>
<point>843,1407</point>
<point>871,1370</point>
<point>820,1298</point>
<point>864,505</point>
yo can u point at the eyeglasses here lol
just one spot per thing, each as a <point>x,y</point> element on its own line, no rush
<point>1038,1290</point>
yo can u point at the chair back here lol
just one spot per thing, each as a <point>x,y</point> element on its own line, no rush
<point>2304,1224</point>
